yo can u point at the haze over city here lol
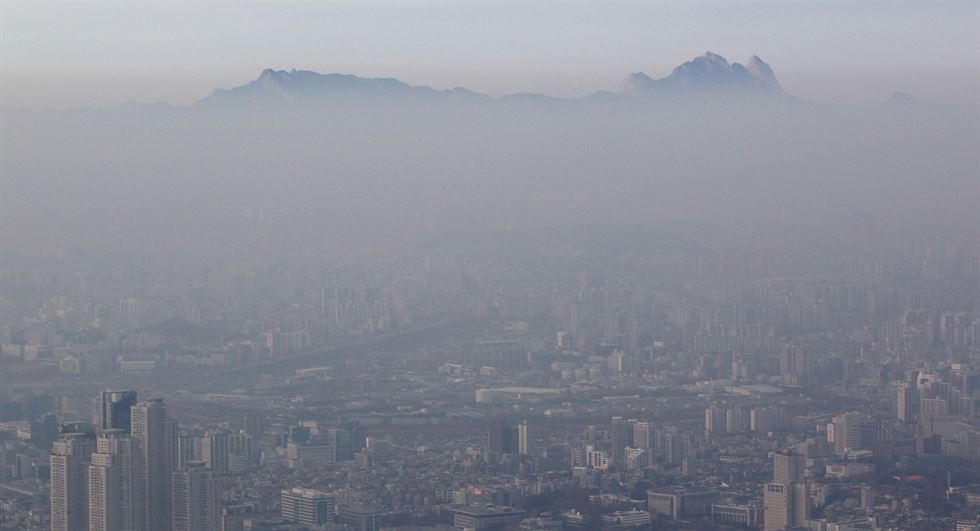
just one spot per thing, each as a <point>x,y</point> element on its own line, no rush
<point>535,266</point>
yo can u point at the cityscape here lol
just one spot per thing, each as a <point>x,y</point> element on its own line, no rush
<point>339,302</point>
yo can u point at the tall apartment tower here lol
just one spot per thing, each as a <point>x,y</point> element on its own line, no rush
<point>524,438</point>
<point>114,501</point>
<point>195,499</point>
<point>70,457</point>
<point>113,410</point>
<point>156,437</point>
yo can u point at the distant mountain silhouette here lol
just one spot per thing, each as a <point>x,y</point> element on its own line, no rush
<point>304,86</point>
<point>707,74</point>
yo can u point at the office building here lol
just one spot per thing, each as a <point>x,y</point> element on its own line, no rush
<point>306,506</point>
<point>852,431</point>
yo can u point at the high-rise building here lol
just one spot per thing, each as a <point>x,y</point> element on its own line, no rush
<point>795,364</point>
<point>622,436</point>
<point>186,449</point>
<point>156,436</point>
<point>70,457</point>
<point>113,500</point>
<point>215,451</point>
<point>903,402</point>
<point>253,425</point>
<point>767,419</point>
<point>113,410</point>
<point>853,431</point>
<point>801,504</point>
<point>676,446</point>
<point>501,438</point>
<point>195,499</point>
<point>787,468</point>
<point>308,507</point>
<point>777,500</point>
<point>737,420</point>
<point>643,435</point>
<point>242,453</point>
<point>715,420</point>
<point>347,440</point>
<point>524,438</point>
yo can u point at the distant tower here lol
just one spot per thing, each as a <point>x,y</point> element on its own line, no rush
<point>70,457</point>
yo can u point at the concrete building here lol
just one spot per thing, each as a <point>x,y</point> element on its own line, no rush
<point>777,499</point>
<point>70,458</point>
<point>306,506</point>
<point>360,515</point>
<point>115,502</point>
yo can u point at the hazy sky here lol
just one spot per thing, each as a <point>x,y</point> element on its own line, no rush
<point>87,53</point>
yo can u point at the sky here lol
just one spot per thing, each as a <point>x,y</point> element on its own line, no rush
<point>62,55</point>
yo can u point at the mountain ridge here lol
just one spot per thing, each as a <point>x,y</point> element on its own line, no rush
<point>709,73</point>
